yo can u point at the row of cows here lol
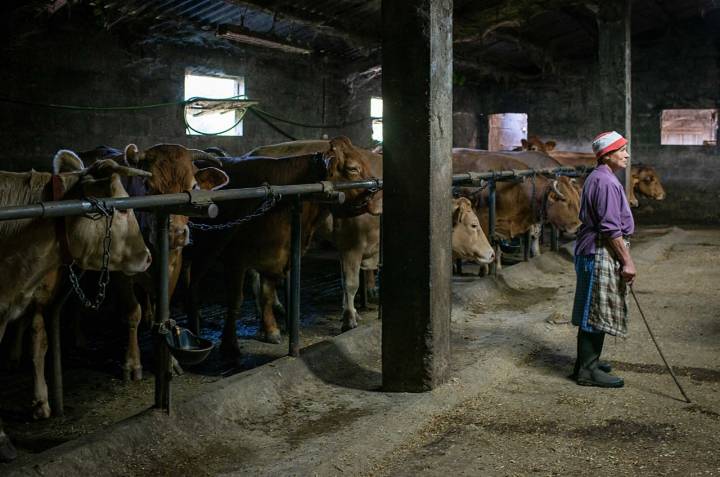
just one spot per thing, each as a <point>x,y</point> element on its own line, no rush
<point>34,251</point>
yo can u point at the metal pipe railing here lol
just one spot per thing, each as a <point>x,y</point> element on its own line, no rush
<point>83,206</point>
<point>164,204</point>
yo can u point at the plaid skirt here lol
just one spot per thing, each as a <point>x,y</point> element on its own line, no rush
<point>601,294</point>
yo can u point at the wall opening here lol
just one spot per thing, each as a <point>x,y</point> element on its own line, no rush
<point>688,127</point>
<point>507,130</point>
<point>223,122</point>
<point>376,113</point>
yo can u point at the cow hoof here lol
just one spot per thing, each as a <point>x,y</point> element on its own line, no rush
<point>274,337</point>
<point>230,349</point>
<point>41,410</point>
<point>132,373</point>
<point>136,374</point>
<point>7,450</point>
<point>350,320</point>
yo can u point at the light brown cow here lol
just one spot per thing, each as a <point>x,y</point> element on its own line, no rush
<point>469,242</point>
<point>32,248</point>
<point>173,170</point>
<point>356,238</point>
<point>263,243</point>
<point>645,179</point>
<point>521,204</point>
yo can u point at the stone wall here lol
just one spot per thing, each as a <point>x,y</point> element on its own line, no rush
<point>73,63</point>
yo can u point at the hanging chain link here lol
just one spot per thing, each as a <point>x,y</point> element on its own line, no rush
<point>107,213</point>
<point>270,201</point>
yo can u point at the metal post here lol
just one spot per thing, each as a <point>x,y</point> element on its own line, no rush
<point>295,246</point>
<point>491,225</point>
<point>554,238</point>
<point>458,266</point>
<point>162,314</point>
<point>526,246</point>
<point>379,272</point>
<point>362,291</point>
<point>52,321</point>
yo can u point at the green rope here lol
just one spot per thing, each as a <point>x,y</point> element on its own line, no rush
<point>260,113</point>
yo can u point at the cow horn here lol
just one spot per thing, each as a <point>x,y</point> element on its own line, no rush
<point>198,155</point>
<point>132,155</point>
<point>556,190</point>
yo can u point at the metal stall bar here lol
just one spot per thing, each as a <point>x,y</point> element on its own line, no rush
<point>554,238</point>
<point>163,374</point>
<point>79,207</point>
<point>491,226</point>
<point>296,250</point>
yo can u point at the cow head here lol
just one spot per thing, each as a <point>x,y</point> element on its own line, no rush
<point>646,181</point>
<point>533,143</point>
<point>85,235</point>
<point>173,170</point>
<point>468,239</point>
<point>563,204</point>
<point>348,163</point>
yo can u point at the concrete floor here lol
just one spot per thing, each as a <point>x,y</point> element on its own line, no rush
<point>507,409</point>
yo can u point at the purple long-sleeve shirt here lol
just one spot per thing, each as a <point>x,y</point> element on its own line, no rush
<point>604,210</point>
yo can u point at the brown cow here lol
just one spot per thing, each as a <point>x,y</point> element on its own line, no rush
<point>173,171</point>
<point>520,205</point>
<point>33,248</point>
<point>263,243</point>
<point>168,176</point>
<point>645,179</point>
<point>357,238</point>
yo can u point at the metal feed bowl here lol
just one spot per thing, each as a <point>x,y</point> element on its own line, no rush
<point>187,348</point>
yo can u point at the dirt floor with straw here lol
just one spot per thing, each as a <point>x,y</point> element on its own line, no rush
<point>508,407</point>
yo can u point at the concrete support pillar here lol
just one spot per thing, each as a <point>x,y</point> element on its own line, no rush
<point>417,130</point>
<point>614,48</point>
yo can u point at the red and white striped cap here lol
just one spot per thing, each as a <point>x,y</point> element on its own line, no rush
<point>607,142</point>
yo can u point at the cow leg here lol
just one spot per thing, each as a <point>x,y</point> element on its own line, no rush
<point>268,296</point>
<point>40,404</point>
<point>7,450</point>
<point>132,369</point>
<point>17,338</point>
<point>350,262</point>
<point>234,279</point>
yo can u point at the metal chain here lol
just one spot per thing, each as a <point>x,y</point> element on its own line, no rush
<point>165,327</point>
<point>108,214</point>
<point>269,202</point>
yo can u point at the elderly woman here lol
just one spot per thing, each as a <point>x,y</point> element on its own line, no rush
<point>603,263</point>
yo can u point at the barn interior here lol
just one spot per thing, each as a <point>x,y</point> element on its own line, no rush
<point>82,73</point>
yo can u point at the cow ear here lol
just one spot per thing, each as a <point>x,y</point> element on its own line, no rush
<point>211,178</point>
<point>550,146</point>
<point>67,161</point>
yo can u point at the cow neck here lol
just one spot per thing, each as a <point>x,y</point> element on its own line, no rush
<point>347,210</point>
<point>58,192</point>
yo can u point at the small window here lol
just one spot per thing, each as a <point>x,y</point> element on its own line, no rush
<point>224,122</point>
<point>507,130</point>
<point>688,127</point>
<point>376,112</point>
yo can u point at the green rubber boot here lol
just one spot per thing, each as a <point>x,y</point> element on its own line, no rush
<point>589,373</point>
<point>602,365</point>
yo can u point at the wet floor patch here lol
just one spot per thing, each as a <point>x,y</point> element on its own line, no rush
<point>326,423</point>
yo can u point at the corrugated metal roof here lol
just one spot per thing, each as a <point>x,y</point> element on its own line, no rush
<point>351,29</point>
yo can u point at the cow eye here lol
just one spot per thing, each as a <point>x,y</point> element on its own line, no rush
<point>123,212</point>
<point>474,226</point>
